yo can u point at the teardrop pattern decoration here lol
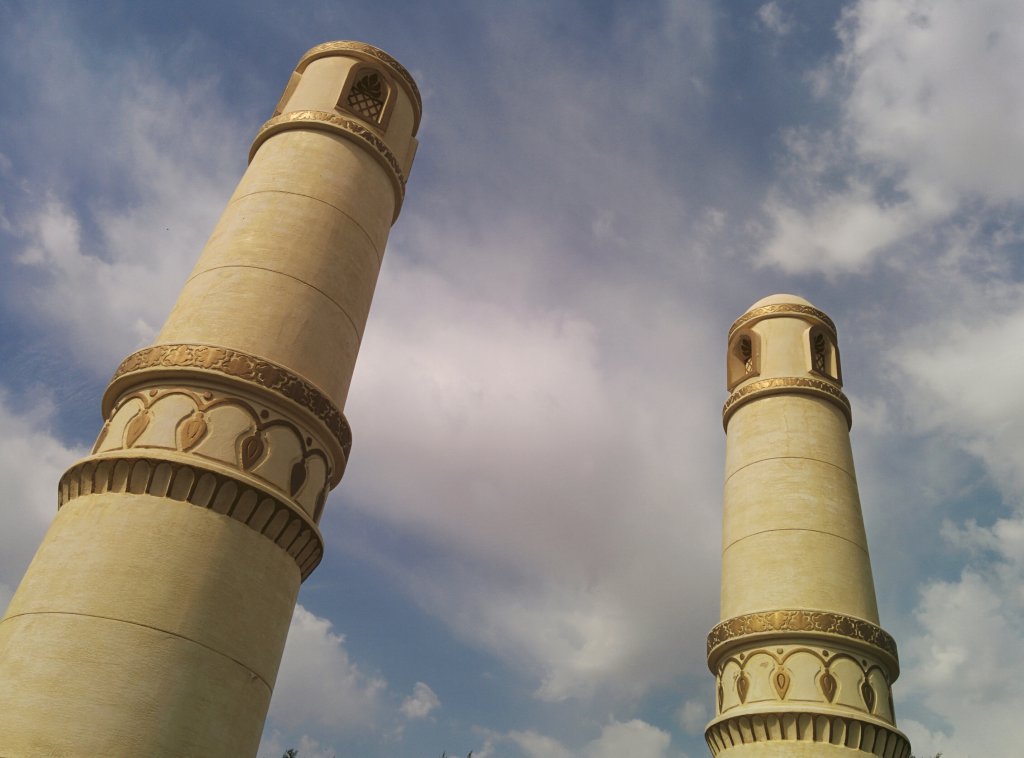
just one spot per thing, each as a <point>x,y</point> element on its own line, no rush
<point>134,429</point>
<point>742,687</point>
<point>868,693</point>
<point>721,696</point>
<point>191,430</point>
<point>298,477</point>
<point>780,680</point>
<point>828,685</point>
<point>253,448</point>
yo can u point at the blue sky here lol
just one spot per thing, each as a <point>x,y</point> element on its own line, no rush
<point>523,556</point>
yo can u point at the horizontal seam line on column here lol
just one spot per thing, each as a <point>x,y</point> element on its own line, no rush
<point>144,626</point>
<point>797,529</point>
<point>790,458</point>
<point>282,273</point>
<point>379,254</point>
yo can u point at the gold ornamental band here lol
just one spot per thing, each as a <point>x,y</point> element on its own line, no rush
<point>255,507</point>
<point>368,53</point>
<point>239,366</point>
<point>860,734</point>
<point>784,309</point>
<point>787,384</point>
<point>345,127</point>
<point>800,622</point>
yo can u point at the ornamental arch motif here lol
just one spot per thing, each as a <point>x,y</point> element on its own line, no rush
<point>823,354</point>
<point>368,94</point>
<point>743,360</point>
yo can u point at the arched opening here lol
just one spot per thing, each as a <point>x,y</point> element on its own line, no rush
<point>367,95</point>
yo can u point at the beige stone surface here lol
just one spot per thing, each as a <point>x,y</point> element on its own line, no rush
<point>297,162</point>
<point>797,569</point>
<point>297,325</point>
<point>139,555</point>
<point>764,430</point>
<point>808,495</point>
<point>152,620</point>
<point>87,686</point>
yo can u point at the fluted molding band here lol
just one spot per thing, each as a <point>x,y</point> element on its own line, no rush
<point>798,622</point>
<point>787,385</point>
<point>348,128</point>
<point>236,366</point>
<point>257,508</point>
<point>777,310</point>
<point>371,54</point>
<point>803,726</point>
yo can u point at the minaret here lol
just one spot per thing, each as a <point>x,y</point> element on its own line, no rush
<point>801,666</point>
<point>152,619</point>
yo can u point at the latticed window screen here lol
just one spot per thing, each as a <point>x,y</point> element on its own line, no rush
<point>367,97</point>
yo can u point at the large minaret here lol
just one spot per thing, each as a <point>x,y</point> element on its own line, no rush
<point>152,619</point>
<point>802,668</point>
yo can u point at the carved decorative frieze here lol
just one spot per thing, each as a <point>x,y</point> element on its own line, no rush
<point>259,509</point>
<point>800,622</point>
<point>225,429</point>
<point>777,675</point>
<point>803,726</point>
<point>346,127</point>
<point>787,384</point>
<point>236,365</point>
<point>784,309</point>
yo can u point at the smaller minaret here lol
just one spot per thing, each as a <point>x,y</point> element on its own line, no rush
<point>801,666</point>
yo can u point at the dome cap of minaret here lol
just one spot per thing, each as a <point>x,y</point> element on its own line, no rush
<point>780,299</point>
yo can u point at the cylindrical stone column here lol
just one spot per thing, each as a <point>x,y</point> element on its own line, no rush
<point>152,619</point>
<point>801,666</point>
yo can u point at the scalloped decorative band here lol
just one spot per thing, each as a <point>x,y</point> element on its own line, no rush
<point>787,384</point>
<point>255,507</point>
<point>784,309</point>
<point>802,622</point>
<point>794,726</point>
<point>345,127</point>
<point>367,52</point>
<point>236,365</point>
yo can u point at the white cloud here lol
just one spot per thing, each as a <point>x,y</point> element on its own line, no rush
<point>421,702</point>
<point>936,91</point>
<point>920,134</point>
<point>965,666</point>
<point>538,746</point>
<point>545,474</point>
<point>635,738</point>
<point>107,292</point>
<point>966,372</point>
<point>773,19</point>
<point>32,460</point>
<point>318,685</point>
<point>960,374</point>
<point>693,716</point>
<point>275,744</point>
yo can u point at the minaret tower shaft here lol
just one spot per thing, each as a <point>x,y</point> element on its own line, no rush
<point>802,668</point>
<point>152,620</point>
